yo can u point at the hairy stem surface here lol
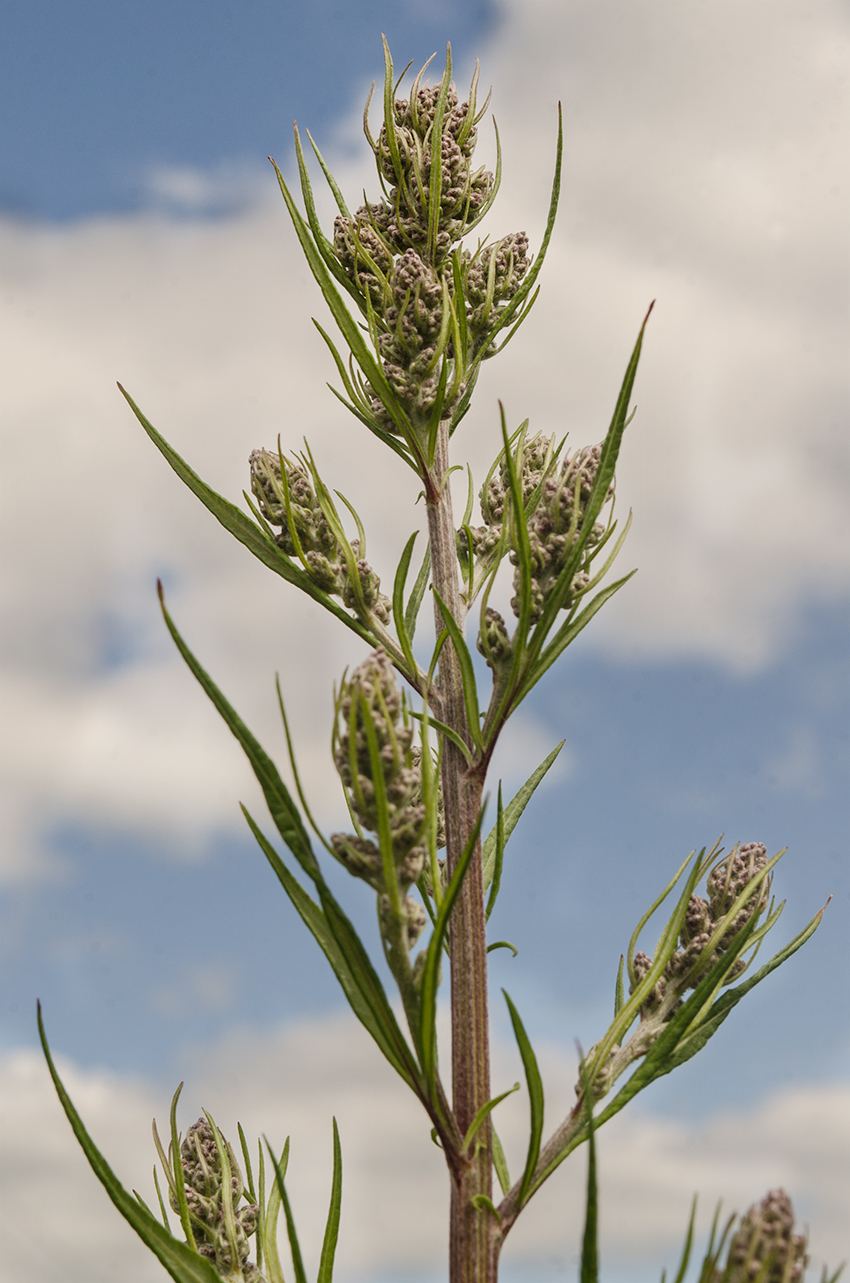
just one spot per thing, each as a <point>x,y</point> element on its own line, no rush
<point>472,1253</point>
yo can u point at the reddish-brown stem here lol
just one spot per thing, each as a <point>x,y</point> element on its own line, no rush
<point>472,1250</point>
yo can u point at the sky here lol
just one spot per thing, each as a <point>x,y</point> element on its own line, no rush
<point>142,239</point>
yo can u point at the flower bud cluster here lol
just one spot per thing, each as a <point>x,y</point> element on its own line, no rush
<point>765,1246</point>
<point>372,697</point>
<point>400,259</point>
<point>555,526</point>
<point>493,276</point>
<point>689,963</point>
<point>203,1177</point>
<point>306,527</point>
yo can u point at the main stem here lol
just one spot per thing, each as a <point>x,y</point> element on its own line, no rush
<point>472,1249</point>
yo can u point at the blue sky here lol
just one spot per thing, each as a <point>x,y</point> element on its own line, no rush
<point>142,239</point>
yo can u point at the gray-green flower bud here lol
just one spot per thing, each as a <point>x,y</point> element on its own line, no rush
<point>494,641</point>
<point>372,699</point>
<point>203,1177</point>
<point>765,1246</point>
<point>306,527</point>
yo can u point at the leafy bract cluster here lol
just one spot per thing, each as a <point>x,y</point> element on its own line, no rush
<point>432,310</point>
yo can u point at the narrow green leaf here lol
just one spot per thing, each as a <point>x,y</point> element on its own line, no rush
<point>398,602</point>
<point>566,634</point>
<point>415,601</point>
<point>535,1098</point>
<point>503,944</point>
<point>348,327</point>
<point>175,1171</point>
<point>597,498</point>
<point>433,955</point>
<point>589,1272</point>
<point>364,993</point>
<point>509,313</point>
<point>246,1159</point>
<point>499,857</point>
<point>467,672</point>
<point>242,528</point>
<point>689,1240</point>
<point>619,990</point>
<point>332,183</point>
<point>500,1164</point>
<point>483,1112</point>
<point>281,806</point>
<point>449,733</point>
<point>326,1264</point>
<point>323,245</point>
<point>512,814</point>
<point>297,1259</point>
<point>181,1262</point>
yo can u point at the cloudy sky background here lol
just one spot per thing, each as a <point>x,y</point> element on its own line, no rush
<point>142,240</point>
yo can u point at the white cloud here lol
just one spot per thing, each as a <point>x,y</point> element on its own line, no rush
<point>59,1224</point>
<point>701,154</point>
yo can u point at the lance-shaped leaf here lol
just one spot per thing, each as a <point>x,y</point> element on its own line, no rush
<point>598,495</point>
<point>246,531</point>
<point>589,1272</point>
<point>281,806</point>
<point>535,1100</point>
<point>398,603</point>
<point>181,1261</point>
<point>512,814</point>
<point>348,958</point>
<point>349,328</point>
<point>326,1264</point>
<point>431,968</point>
<point>467,672</point>
<point>357,978</point>
<point>291,1233</point>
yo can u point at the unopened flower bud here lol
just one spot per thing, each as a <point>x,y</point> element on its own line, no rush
<point>765,1246</point>
<point>494,643</point>
<point>203,1177</point>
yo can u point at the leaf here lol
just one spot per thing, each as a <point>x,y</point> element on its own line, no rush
<point>513,811</point>
<point>619,990</point>
<point>503,944</point>
<point>347,325</point>
<point>243,529</point>
<point>467,672</point>
<point>359,982</point>
<point>508,313</point>
<point>181,1262</point>
<point>484,1111</point>
<point>566,634</point>
<point>415,601</point>
<point>535,1097</point>
<point>686,1250</point>
<point>497,862</point>
<point>398,602</point>
<point>596,499</point>
<point>590,1242</point>
<point>431,968</point>
<point>326,1264</point>
<point>499,1162</point>
<point>281,806</point>
<point>450,734</point>
<point>294,1247</point>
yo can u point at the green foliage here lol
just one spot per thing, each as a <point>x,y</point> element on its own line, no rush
<point>417,311</point>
